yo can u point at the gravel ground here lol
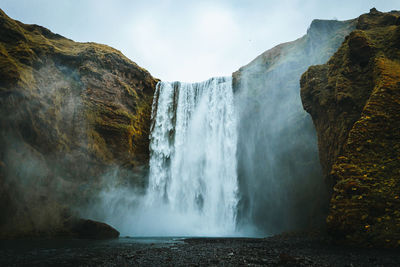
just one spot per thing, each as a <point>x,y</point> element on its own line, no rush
<point>283,250</point>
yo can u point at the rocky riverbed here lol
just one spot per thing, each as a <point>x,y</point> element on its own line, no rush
<point>283,250</point>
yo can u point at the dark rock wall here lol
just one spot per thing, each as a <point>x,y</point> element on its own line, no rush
<point>69,112</point>
<point>354,101</point>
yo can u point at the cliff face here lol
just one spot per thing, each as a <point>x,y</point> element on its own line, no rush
<point>278,161</point>
<point>69,112</point>
<point>354,100</point>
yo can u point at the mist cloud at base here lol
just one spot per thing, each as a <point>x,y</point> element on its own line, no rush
<point>280,180</point>
<point>129,211</point>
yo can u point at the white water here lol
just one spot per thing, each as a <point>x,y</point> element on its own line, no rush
<point>193,174</point>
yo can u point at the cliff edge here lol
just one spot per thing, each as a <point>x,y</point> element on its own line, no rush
<point>70,112</point>
<point>354,101</point>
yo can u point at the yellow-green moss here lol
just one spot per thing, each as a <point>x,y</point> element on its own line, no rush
<point>83,107</point>
<point>357,115</point>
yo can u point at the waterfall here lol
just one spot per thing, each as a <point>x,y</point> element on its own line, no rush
<point>193,167</point>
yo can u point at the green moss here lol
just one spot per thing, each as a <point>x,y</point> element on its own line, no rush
<point>83,107</point>
<point>357,115</point>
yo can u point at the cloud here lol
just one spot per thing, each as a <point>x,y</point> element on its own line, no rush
<point>187,40</point>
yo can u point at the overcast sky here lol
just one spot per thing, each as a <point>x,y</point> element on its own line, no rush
<point>187,40</point>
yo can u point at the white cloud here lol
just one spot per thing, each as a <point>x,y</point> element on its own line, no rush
<point>187,40</point>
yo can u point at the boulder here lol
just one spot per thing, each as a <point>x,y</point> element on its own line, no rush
<point>88,229</point>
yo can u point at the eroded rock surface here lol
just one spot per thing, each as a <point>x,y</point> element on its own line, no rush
<point>354,101</point>
<point>71,113</point>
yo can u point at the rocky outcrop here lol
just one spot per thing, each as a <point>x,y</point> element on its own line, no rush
<point>278,161</point>
<point>69,114</point>
<point>89,229</point>
<point>354,100</point>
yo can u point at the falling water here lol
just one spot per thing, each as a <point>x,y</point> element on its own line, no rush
<point>193,173</point>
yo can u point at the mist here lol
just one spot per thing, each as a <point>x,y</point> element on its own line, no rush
<point>249,167</point>
<point>192,185</point>
<point>280,186</point>
<point>280,177</point>
<point>54,160</point>
<point>37,180</point>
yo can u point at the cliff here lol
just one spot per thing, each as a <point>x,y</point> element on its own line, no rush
<point>69,113</point>
<point>354,100</point>
<point>278,161</point>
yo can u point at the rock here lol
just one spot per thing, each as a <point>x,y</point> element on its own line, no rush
<point>360,47</point>
<point>71,114</point>
<point>89,229</point>
<point>373,10</point>
<point>287,259</point>
<point>354,102</point>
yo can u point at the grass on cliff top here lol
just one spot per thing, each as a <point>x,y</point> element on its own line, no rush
<point>21,45</point>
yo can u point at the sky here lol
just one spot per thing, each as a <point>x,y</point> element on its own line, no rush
<point>187,40</point>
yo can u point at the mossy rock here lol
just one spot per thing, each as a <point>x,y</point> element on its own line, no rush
<point>354,100</point>
<point>78,109</point>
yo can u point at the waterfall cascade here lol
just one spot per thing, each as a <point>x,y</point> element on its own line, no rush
<point>193,172</point>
